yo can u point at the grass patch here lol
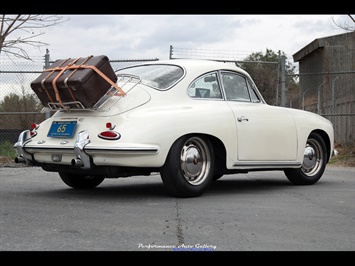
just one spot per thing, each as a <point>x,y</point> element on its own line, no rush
<point>345,157</point>
<point>7,150</point>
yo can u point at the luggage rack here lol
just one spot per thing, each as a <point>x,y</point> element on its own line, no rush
<point>111,97</point>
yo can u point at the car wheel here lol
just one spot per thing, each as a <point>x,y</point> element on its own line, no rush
<point>314,162</point>
<point>188,170</point>
<point>81,181</point>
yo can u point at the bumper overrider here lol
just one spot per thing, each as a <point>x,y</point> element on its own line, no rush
<point>23,156</point>
<point>79,153</point>
<point>81,159</point>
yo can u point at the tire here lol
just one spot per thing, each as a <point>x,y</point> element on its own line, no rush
<point>188,170</point>
<point>314,162</point>
<point>81,181</point>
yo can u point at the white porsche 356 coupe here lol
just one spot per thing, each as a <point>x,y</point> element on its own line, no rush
<point>192,121</point>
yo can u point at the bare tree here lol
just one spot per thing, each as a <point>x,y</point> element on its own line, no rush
<point>29,29</point>
<point>346,26</point>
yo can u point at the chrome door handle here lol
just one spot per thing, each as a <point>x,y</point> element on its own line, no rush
<point>242,118</point>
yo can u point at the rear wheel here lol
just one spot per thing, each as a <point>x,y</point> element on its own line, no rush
<point>188,170</point>
<point>314,162</point>
<point>81,181</point>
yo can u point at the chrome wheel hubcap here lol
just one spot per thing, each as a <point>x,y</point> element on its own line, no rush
<point>195,161</point>
<point>313,158</point>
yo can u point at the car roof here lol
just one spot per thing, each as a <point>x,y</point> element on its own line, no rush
<point>206,65</point>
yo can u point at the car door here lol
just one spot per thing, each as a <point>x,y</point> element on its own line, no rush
<point>264,133</point>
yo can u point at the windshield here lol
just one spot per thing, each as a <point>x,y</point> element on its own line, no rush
<point>160,77</point>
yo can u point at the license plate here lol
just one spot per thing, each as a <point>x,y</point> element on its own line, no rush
<point>62,129</point>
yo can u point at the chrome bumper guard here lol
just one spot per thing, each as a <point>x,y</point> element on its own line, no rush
<point>23,157</point>
<point>82,159</point>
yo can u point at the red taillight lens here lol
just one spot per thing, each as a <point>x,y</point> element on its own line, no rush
<point>110,135</point>
<point>110,126</point>
<point>34,126</point>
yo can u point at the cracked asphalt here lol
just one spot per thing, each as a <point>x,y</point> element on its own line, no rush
<point>259,211</point>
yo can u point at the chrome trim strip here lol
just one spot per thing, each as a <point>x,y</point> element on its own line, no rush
<point>123,150</point>
<point>109,150</point>
<point>268,164</point>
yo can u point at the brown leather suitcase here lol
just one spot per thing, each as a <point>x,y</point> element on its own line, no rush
<point>83,79</point>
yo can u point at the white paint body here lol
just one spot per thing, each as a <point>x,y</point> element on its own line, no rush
<point>150,121</point>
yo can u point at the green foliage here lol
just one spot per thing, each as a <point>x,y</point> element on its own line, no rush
<point>264,69</point>
<point>19,103</point>
<point>7,150</point>
<point>16,103</point>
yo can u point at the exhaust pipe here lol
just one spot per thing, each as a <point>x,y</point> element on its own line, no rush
<point>20,160</point>
<point>77,162</point>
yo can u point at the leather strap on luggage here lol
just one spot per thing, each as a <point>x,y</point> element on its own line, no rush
<point>71,74</point>
<point>81,66</point>
<point>121,92</point>
<point>52,71</point>
<point>54,82</point>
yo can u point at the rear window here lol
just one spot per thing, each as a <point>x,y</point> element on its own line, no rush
<point>160,77</point>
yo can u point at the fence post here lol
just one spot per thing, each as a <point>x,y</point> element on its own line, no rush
<point>171,52</point>
<point>333,94</point>
<point>278,79</point>
<point>283,80</point>
<point>46,59</point>
<point>46,65</point>
<point>318,94</point>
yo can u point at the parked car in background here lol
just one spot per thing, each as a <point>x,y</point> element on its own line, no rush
<point>193,121</point>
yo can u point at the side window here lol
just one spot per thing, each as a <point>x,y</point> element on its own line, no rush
<point>205,87</point>
<point>253,95</point>
<point>235,87</point>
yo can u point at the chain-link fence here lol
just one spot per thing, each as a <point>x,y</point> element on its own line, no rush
<point>19,106</point>
<point>330,94</point>
<point>265,74</point>
<point>333,98</point>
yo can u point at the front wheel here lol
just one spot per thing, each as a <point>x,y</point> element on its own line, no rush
<point>81,181</point>
<point>314,162</point>
<point>188,170</point>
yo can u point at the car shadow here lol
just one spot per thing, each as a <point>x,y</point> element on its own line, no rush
<point>234,186</point>
<point>156,189</point>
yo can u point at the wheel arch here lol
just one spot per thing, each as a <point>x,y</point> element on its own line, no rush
<point>326,139</point>
<point>220,152</point>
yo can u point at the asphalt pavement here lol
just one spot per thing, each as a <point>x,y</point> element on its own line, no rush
<point>258,211</point>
